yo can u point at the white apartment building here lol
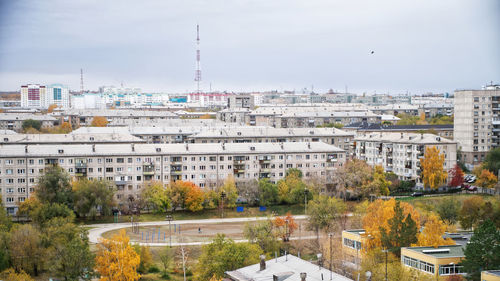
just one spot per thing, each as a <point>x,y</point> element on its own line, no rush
<point>130,166</point>
<point>57,94</point>
<point>401,152</point>
<point>14,121</point>
<point>477,122</point>
<point>34,95</point>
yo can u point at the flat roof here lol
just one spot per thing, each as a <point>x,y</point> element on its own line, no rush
<point>355,231</point>
<point>492,272</point>
<point>453,251</point>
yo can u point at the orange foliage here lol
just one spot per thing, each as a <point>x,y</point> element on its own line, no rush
<point>280,223</point>
<point>433,174</point>
<point>194,198</point>
<point>378,215</point>
<point>432,235</point>
<point>116,260</point>
<point>51,108</point>
<point>99,121</point>
<point>486,179</point>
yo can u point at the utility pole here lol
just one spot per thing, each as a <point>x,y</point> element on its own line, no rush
<point>330,235</point>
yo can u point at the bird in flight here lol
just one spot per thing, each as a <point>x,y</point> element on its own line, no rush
<point>373,52</point>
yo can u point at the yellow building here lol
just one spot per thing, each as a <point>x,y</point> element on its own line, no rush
<point>440,261</point>
<point>352,243</point>
<point>490,275</point>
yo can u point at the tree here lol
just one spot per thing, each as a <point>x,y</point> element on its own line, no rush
<point>224,254</point>
<point>284,226</point>
<point>401,231</point>
<point>65,128</point>
<point>291,188</point>
<point>68,254</point>
<point>92,197</point>
<point>268,192</point>
<point>46,212</point>
<point>486,179</point>
<point>26,249</point>
<point>166,258</point>
<point>262,234</point>
<point>11,275</point>
<point>229,188</point>
<point>449,210</point>
<point>492,161</point>
<point>156,197</point>
<point>481,253</point>
<point>54,186</point>
<point>116,260</point>
<point>432,234</point>
<point>5,225</point>
<point>457,176</point>
<point>324,212</point>
<point>194,199</point>
<point>145,257</point>
<point>470,214</point>
<point>353,179</point>
<point>51,108</point>
<point>433,174</point>
<point>378,215</point>
<point>178,191</point>
<point>30,123</point>
<point>99,121</point>
<point>250,191</point>
<point>380,182</point>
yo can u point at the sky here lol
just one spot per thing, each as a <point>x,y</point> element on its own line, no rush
<point>260,45</point>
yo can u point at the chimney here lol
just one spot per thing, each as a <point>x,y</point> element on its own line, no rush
<point>303,276</point>
<point>93,148</point>
<point>26,149</point>
<point>262,262</point>
<point>187,147</point>
<point>402,135</point>
<point>133,148</point>
<point>421,136</point>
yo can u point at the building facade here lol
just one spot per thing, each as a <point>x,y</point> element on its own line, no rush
<point>401,153</point>
<point>440,262</point>
<point>59,95</point>
<point>130,166</point>
<point>34,96</point>
<point>477,122</point>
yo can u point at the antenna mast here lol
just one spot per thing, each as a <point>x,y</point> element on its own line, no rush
<point>197,76</point>
<point>81,81</point>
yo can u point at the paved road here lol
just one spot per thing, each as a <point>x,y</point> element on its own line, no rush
<point>98,229</point>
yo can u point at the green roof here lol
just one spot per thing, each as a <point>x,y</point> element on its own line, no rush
<point>441,251</point>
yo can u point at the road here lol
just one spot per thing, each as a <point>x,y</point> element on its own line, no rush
<point>96,231</point>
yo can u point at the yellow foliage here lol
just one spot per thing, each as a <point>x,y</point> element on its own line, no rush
<point>378,215</point>
<point>486,179</point>
<point>11,275</point>
<point>51,108</point>
<point>116,260</point>
<point>432,235</point>
<point>99,121</point>
<point>433,174</point>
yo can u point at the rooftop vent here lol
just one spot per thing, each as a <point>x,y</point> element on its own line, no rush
<point>252,147</point>
<point>60,151</point>
<point>436,251</point>
<point>158,149</point>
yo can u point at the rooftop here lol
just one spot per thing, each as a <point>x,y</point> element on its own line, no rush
<point>286,268</point>
<point>25,116</point>
<point>404,138</point>
<point>439,252</point>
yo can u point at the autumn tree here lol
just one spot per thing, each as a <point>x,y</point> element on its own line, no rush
<point>51,108</point>
<point>99,121</point>
<point>166,258</point>
<point>449,210</point>
<point>11,275</point>
<point>470,214</point>
<point>457,176</point>
<point>194,199</point>
<point>268,192</point>
<point>178,191</point>
<point>325,213</point>
<point>250,191</point>
<point>30,123</point>
<point>116,260</point>
<point>93,197</point>
<point>222,255</point>
<point>492,161</point>
<point>481,253</point>
<point>432,234</point>
<point>401,232</point>
<point>380,183</point>
<point>262,234</point>
<point>353,179</point>
<point>5,225</point>
<point>486,179</point>
<point>65,128</point>
<point>145,256</point>
<point>156,197</point>
<point>433,174</point>
<point>26,249</point>
<point>378,215</point>
<point>284,226</point>
<point>54,186</point>
<point>230,191</point>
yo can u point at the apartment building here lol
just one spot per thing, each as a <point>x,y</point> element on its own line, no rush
<point>439,262</point>
<point>241,101</point>
<point>33,139</point>
<point>57,94</point>
<point>130,166</point>
<point>400,153</point>
<point>33,95</point>
<point>445,131</point>
<point>14,121</point>
<point>477,122</point>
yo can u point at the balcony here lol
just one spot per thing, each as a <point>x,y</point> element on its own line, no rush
<point>148,169</point>
<point>79,165</point>
<point>265,161</point>
<point>239,171</point>
<point>175,172</point>
<point>265,170</point>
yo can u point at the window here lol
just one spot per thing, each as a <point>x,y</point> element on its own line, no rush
<point>120,160</point>
<point>450,269</point>
<point>109,169</point>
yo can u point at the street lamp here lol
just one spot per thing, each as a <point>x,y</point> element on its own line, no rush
<point>169,218</point>
<point>305,200</point>
<point>222,196</point>
<point>385,251</point>
<point>287,234</point>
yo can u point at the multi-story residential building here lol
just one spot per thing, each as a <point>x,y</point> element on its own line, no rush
<point>16,139</point>
<point>241,101</point>
<point>130,166</point>
<point>439,262</point>
<point>445,131</point>
<point>400,153</point>
<point>477,122</point>
<point>58,94</point>
<point>34,95</point>
<point>14,121</point>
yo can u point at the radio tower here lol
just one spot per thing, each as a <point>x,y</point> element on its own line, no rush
<point>81,81</point>
<point>197,75</point>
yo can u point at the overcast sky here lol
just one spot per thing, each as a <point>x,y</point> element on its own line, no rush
<point>419,46</point>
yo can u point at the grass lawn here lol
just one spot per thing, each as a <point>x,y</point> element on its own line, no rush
<point>205,214</point>
<point>434,199</point>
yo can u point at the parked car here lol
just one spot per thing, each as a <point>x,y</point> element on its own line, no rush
<point>417,194</point>
<point>472,188</point>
